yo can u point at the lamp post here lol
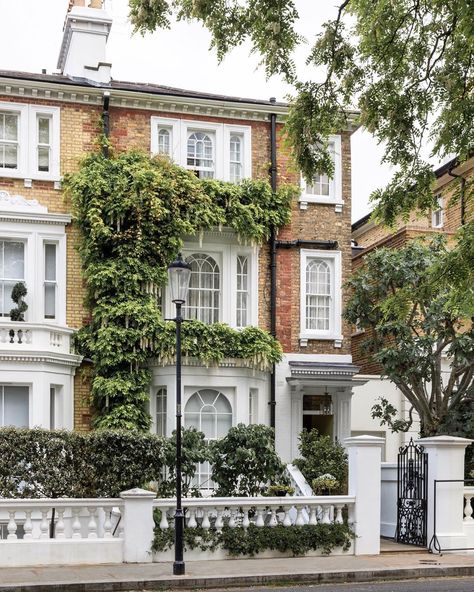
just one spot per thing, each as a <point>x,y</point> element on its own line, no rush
<point>179,273</point>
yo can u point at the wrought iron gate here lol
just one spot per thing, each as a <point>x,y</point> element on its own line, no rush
<point>412,494</point>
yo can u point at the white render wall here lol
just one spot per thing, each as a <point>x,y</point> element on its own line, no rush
<point>364,398</point>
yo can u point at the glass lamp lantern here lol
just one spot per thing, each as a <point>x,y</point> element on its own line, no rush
<point>179,274</point>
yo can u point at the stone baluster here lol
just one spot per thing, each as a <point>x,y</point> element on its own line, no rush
<point>59,530</point>
<point>192,523</point>
<point>206,524</point>
<point>164,524</point>
<point>245,518</point>
<point>326,512</point>
<point>76,524</point>
<point>232,513</point>
<point>339,519</point>
<point>44,526</point>
<point>219,522</point>
<point>12,526</point>
<point>259,520</point>
<point>108,534</point>
<point>92,524</point>
<point>299,516</point>
<point>28,527</point>
<point>312,516</point>
<point>273,519</point>
<point>467,507</point>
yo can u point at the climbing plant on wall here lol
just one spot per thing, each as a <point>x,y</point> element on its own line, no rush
<point>133,211</point>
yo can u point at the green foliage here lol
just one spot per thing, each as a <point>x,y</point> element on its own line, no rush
<point>245,461</point>
<point>133,211</point>
<point>19,291</point>
<point>250,541</point>
<point>401,296</point>
<point>278,489</point>
<point>405,65</point>
<point>461,423</point>
<point>321,456</point>
<point>43,463</point>
<point>212,343</point>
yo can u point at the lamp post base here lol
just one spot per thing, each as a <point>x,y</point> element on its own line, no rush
<point>178,568</point>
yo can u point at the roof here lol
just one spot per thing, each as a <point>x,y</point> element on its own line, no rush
<point>142,87</point>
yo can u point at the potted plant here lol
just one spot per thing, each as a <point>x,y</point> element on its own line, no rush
<point>19,291</point>
<point>280,490</point>
<point>324,484</point>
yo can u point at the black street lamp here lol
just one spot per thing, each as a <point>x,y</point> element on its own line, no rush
<point>179,273</point>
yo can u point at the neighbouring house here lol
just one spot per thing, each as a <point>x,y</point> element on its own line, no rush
<point>47,123</point>
<point>367,235</point>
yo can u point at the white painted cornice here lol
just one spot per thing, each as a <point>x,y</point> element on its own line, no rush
<point>16,208</point>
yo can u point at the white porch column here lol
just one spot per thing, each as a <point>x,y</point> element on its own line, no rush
<point>137,525</point>
<point>445,462</point>
<point>342,414</point>
<point>296,421</point>
<point>365,454</point>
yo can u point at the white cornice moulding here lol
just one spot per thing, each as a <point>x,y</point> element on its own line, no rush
<point>16,208</point>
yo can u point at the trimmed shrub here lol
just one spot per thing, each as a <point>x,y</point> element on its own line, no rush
<point>321,456</point>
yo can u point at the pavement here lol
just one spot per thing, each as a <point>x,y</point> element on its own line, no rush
<point>390,565</point>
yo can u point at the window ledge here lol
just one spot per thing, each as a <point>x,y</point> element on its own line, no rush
<point>304,200</point>
<point>304,339</point>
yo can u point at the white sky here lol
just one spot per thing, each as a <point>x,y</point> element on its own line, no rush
<point>30,38</point>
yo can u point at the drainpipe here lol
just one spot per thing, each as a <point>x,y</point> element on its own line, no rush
<point>273,262</point>
<point>463,197</point>
<point>106,122</point>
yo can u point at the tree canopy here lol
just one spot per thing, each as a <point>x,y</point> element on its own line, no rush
<point>424,346</point>
<point>406,65</point>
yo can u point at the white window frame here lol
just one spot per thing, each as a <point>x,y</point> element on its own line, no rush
<point>440,211</point>
<point>19,238</point>
<point>220,133</point>
<point>28,141</point>
<point>19,384</point>
<point>51,282</point>
<point>335,184</point>
<point>245,134</point>
<point>214,130</point>
<point>173,126</point>
<point>225,256</point>
<point>334,261</point>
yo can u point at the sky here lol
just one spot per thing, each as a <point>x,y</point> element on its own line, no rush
<point>31,33</point>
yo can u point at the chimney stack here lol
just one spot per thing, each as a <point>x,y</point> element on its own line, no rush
<point>86,30</point>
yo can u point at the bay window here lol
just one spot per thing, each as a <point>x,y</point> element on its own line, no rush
<point>242,291</point>
<point>204,289</point>
<point>211,150</point>
<point>161,411</point>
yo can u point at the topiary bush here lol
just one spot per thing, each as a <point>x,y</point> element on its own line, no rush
<point>244,463</point>
<point>321,456</point>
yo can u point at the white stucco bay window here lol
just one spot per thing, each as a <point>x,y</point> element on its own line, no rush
<point>211,150</point>
<point>36,363</point>
<point>323,189</point>
<point>320,288</point>
<point>224,285</point>
<point>29,141</point>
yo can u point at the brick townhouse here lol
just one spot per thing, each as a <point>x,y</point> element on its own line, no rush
<point>452,213</point>
<point>47,123</point>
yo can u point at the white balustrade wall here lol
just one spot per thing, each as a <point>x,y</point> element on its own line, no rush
<point>85,531</point>
<point>468,520</point>
<point>94,531</point>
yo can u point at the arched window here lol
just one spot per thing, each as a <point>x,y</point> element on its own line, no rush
<point>210,412</point>
<point>164,141</point>
<point>200,154</point>
<point>204,289</point>
<point>318,295</point>
<point>235,150</point>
